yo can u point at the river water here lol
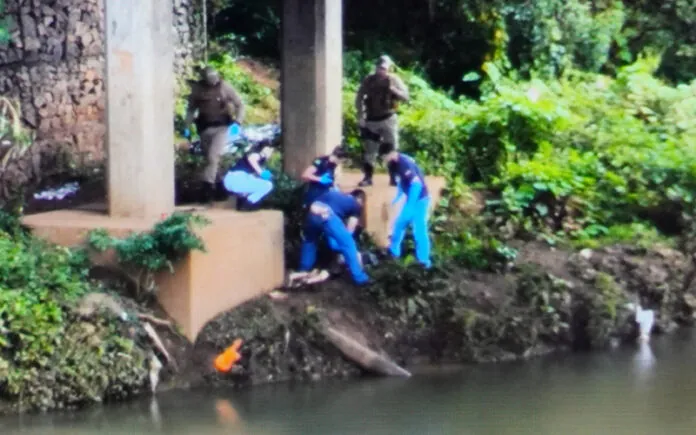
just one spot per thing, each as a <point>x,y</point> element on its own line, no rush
<point>632,390</point>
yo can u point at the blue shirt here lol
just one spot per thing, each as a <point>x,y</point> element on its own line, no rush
<point>342,204</point>
<point>244,165</point>
<point>407,171</point>
<point>323,166</point>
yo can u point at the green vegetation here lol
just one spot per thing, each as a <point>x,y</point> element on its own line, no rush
<point>51,355</point>
<point>447,38</point>
<point>567,118</point>
<point>142,255</point>
<point>583,157</point>
<point>4,25</point>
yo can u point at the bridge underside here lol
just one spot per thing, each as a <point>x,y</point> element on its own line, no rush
<point>245,251</point>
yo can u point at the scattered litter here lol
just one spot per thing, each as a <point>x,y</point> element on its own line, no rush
<point>225,361</point>
<point>58,193</point>
<point>241,139</point>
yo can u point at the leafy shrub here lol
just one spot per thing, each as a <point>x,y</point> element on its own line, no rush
<point>577,154</point>
<point>45,361</point>
<point>144,254</point>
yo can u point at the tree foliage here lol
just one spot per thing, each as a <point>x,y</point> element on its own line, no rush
<point>449,38</point>
<point>4,25</point>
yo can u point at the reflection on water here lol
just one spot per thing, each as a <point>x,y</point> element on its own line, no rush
<point>646,389</point>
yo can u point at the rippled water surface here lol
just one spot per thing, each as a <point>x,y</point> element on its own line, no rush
<point>648,390</point>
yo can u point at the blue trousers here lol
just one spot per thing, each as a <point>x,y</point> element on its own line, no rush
<point>339,239</point>
<point>249,186</point>
<point>417,217</point>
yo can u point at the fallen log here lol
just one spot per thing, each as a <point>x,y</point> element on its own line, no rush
<point>362,355</point>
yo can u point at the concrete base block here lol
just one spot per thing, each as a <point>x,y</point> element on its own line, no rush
<point>379,211</point>
<point>244,258</point>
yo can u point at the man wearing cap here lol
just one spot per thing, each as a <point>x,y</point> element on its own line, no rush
<point>376,103</point>
<point>216,105</point>
<point>321,175</point>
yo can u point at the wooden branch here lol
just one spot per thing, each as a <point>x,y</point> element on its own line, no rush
<point>155,320</point>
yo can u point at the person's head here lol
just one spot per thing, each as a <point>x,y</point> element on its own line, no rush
<point>383,65</point>
<point>387,153</point>
<point>359,196</point>
<point>210,76</point>
<point>338,154</point>
<point>264,148</point>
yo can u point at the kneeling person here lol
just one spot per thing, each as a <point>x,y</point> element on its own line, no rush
<point>320,176</point>
<point>249,179</point>
<point>411,182</point>
<point>327,214</point>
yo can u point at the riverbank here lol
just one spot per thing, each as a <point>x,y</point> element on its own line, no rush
<point>550,301</point>
<point>546,300</point>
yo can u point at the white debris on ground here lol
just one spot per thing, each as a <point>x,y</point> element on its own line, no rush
<point>241,140</point>
<point>58,193</point>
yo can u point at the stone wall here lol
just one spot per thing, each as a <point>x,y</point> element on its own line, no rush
<point>54,65</point>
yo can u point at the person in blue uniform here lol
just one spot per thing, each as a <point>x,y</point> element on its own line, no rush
<point>320,176</point>
<point>248,179</point>
<point>411,182</point>
<point>335,215</point>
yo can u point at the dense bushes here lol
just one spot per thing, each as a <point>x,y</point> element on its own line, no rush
<point>49,357</point>
<point>587,157</point>
<point>576,155</point>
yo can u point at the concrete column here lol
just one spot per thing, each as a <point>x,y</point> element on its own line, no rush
<point>140,86</point>
<point>312,80</point>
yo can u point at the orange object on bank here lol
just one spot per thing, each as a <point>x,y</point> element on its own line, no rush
<point>227,359</point>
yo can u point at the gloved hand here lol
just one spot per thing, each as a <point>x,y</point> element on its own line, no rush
<point>266,175</point>
<point>326,180</point>
<point>187,133</point>
<point>235,130</point>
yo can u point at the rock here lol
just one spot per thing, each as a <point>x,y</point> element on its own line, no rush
<point>53,66</point>
<point>586,254</point>
<point>94,302</point>
<point>690,301</point>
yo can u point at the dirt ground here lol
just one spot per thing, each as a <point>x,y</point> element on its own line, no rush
<point>552,300</point>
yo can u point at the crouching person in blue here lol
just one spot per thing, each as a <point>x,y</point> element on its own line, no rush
<point>410,181</point>
<point>248,179</point>
<point>326,216</point>
<point>321,175</point>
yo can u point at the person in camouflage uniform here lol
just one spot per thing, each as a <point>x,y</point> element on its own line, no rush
<point>376,103</point>
<point>216,105</point>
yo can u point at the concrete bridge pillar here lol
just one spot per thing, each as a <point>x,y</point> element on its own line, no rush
<point>312,80</point>
<point>140,85</point>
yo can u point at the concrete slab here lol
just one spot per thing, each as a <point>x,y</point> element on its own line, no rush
<point>244,258</point>
<point>379,212</point>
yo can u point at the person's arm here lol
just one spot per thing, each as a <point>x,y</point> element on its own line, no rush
<point>337,175</point>
<point>352,224</point>
<point>359,102</point>
<point>309,174</point>
<point>191,110</point>
<point>398,88</point>
<point>235,105</point>
<point>253,160</point>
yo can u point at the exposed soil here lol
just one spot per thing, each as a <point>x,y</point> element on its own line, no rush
<point>262,74</point>
<point>553,300</point>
